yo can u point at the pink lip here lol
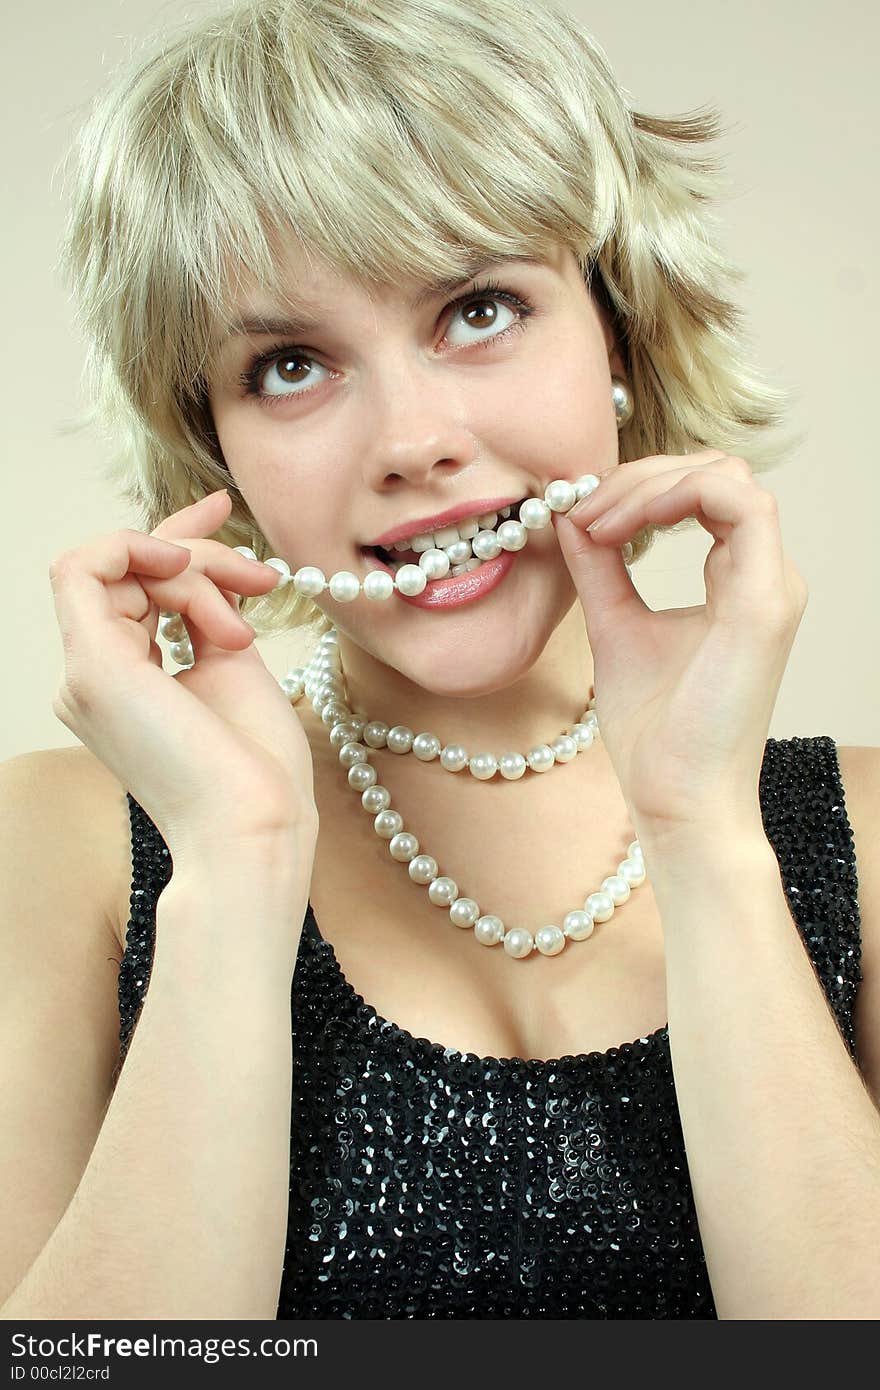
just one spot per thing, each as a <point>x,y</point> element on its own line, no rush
<point>459,589</point>
<point>434,523</point>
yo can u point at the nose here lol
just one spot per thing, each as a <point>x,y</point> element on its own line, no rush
<point>418,425</point>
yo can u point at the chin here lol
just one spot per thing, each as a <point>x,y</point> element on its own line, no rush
<point>494,661</point>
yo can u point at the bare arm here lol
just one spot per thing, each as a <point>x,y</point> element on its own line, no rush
<point>782,1135</point>
<point>181,1211</point>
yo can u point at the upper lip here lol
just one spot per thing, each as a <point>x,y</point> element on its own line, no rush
<point>426,524</point>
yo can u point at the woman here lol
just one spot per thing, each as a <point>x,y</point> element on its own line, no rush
<point>292,234</point>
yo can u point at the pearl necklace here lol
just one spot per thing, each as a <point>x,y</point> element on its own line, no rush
<point>434,563</point>
<point>323,681</point>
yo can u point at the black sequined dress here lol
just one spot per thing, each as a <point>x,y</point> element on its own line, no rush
<point>431,1183</point>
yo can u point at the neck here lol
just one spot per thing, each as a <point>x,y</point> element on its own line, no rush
<point>543,702</point>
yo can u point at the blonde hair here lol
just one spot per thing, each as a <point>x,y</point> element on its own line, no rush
<point>408,138</point>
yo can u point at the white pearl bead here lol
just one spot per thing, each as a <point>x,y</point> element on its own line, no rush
<point>564,748</point>
<point>541,758</point>
<point>512,766</point>
<point>582,734</point>
<point>486,545</point>
<point>634,849</point>
<point>351,753</point>
<point>309,581</point>
<point>454,757</point>
<point>443,891</point>
<point>344,586</point>
<point>403,846</point>
<point>246,551</point>
<point>334,712</point>
<point>411,580</point>
<point>423,868</point>
<point>434,564</point>
<point>292,686</point>
<point>483,766</point>
<point>283,569</point>
<point>518,942</point>
<point>375,733</point>
<point>512,535</point>
<point>633,870</point>
<point>378,585</point>
<point>489,930</point>
<point>618,887</point>
<point>361,776</point>
<point>341,734</point>
<point>577,925</point>
<point>458,552</point>
<point>534,514</point>
<point>600,906</point>
<point>174,629</point>
<point>399,739</point>
<point>388,824</point>
<point>585,484</point>
<point>464,912</point>
<point>560,495</point>
<point>549,940</point>
<point>426,747</point>
<point>376,798</point>
<point>182,653</point>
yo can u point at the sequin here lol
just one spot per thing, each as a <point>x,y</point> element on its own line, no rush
<point>430,1183</point>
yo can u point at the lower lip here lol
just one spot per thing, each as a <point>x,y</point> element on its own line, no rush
<point>459,589</point>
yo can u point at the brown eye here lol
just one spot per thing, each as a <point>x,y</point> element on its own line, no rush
<point>288,368</point>
<point>485,314</point>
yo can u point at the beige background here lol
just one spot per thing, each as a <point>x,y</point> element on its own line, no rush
<point>797,84</point>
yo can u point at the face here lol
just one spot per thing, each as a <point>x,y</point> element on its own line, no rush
<point>387,413</point>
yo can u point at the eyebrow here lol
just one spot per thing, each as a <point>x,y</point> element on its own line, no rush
<point>293,325</point>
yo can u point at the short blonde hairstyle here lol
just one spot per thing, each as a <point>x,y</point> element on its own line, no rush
<point>396,138</point>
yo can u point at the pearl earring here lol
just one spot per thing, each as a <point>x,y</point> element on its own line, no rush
<point>623,401</point>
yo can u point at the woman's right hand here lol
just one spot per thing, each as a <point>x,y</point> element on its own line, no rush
<point>213,753</point>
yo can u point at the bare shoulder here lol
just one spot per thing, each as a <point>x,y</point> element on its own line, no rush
<point>82,814</point>
<point>860,775</point>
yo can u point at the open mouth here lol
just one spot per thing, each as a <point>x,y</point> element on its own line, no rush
<point>393,559</point>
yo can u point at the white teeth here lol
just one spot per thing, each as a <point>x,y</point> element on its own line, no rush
<point>447,535</point>
<point>464,530</point>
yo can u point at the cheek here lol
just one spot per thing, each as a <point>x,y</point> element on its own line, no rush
<point>554,410</point>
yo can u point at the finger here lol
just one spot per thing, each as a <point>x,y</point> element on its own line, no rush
<point>210,616</point>
<point>618,482</point>
<point>202,517</point>
<point>743,515</point>
<point>81,581</point>
<point>606,591</point>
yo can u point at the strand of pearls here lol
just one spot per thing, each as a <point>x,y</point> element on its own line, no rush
<point>320,680</point>
<point>345,587</point>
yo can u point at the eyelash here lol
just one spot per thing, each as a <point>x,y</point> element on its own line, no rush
<point>250,378</point>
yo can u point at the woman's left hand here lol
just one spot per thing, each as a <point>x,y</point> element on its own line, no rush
<point>684,696</point>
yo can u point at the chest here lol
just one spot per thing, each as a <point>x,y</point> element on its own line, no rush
<point>436,981</point>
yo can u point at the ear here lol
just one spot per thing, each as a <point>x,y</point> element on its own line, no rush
<point>610,329</point>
